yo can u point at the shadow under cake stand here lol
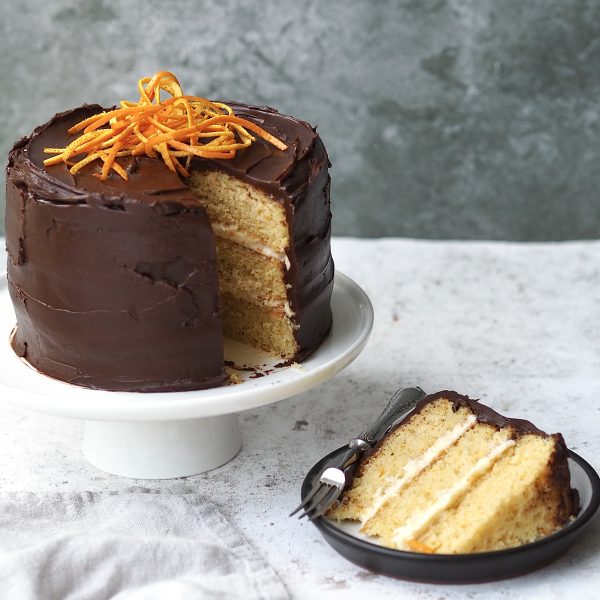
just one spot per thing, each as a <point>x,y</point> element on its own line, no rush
<point>176,434</point>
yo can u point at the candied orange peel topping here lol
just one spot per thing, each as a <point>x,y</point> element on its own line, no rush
<point>179,127</point>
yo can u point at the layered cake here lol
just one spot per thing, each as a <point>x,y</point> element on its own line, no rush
<point>456,477</point>
<point>139,236</point>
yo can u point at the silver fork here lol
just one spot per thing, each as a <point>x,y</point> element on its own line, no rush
<point>332,481</point>
<point>322,496</point>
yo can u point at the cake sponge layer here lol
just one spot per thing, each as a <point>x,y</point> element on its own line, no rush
<point>250,274</point>
<point>234,204</point>
<point>262,327</point>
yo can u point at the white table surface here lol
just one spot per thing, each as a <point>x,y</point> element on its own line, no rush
<point>517,325</point>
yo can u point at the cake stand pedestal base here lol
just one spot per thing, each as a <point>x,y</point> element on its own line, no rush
<point>164,435</point>
<point>161,449</point>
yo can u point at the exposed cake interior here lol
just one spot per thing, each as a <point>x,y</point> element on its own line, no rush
<point>252,236</point>
<point>449,481</point>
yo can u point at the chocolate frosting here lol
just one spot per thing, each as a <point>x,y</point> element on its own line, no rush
<point>114,282</point>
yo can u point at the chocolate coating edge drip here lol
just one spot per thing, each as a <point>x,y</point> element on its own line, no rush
<point>483,413</point>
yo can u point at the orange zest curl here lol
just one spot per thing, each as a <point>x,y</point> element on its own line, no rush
<point>417,546</point>
<point>179,127</point>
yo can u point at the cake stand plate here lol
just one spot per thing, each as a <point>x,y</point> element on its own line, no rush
<point>176,434</point>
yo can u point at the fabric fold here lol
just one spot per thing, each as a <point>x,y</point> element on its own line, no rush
<point>138,545</point>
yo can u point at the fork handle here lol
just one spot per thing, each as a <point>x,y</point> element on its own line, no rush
<point>402,401</point>
<point>355,447</point>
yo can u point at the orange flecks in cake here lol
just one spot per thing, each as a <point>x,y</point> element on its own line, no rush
<point>175,128</point>
<point>417,546</point>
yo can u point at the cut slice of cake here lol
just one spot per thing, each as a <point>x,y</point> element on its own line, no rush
<point>456,477</point>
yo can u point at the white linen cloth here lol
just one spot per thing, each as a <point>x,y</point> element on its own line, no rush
<point>135,545</point>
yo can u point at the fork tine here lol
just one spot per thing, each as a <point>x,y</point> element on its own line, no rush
<point>308,498</point>
<point>322,507</point>
<point>323,491</point>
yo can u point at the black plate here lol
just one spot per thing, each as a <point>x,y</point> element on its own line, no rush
<point>463,568</point>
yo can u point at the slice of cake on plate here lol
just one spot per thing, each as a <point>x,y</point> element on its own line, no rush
<point>456,477</point>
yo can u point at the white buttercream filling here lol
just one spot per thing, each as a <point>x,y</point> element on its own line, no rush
<point>415,466</point>
<point>288,310</point>
<point>419,520</point>
<point>233,234</point>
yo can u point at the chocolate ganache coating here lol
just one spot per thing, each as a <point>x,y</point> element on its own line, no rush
<point>114,282</point>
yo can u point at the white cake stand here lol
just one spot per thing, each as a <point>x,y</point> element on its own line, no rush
<point>176,434</point>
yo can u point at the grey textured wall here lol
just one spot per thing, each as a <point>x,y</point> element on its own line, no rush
<point>443,118</point>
